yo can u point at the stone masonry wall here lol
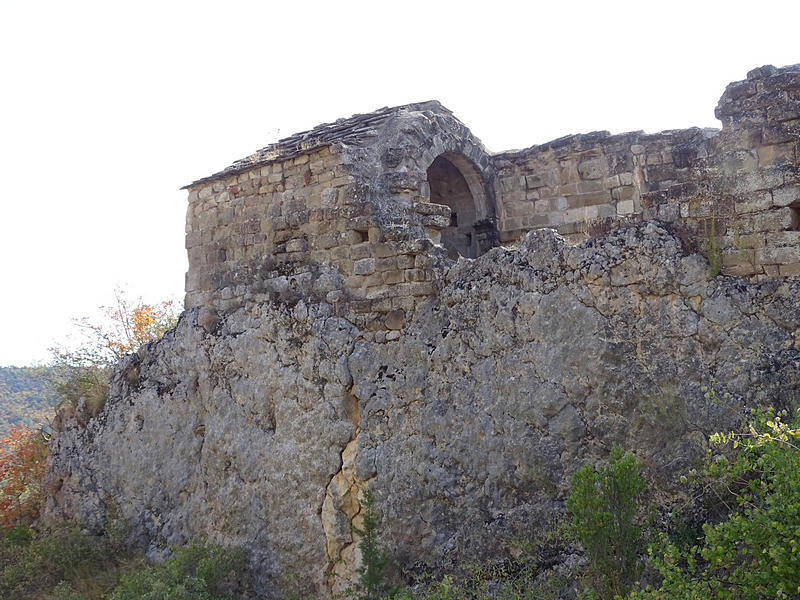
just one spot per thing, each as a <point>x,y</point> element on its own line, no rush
<point>742,205</point>
<point>734,193</point>
<point>297,228</point>
<point>569,183</point>
<point>344,212</point>
<point>340,214</point>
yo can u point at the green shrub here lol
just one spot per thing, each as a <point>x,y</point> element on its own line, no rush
<point>65,591</point>
<point>753,553</point>
<point>31,565</point>
<point>197,571</point>
<point>605,503</point>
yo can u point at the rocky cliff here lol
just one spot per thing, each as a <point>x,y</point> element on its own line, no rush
<point>467,419</point>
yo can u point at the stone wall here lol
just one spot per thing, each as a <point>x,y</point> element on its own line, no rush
<point>302,228</point>
<point>342,213</point>
<point>742,203</point>
<point>571,183</point>
<point>364,210</point>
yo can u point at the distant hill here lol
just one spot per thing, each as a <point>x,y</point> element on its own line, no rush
<point>25,397</point>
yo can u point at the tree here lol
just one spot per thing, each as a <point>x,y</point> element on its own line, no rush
<point>126,327</point>
<point>371,577</point>
<point>22,465</point>
<point>82,373</point>
<point>605,503</point>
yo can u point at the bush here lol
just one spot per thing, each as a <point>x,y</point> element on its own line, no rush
<point>605,503</point>
<point>195,572</point>
<point>31,565</point>
<point>754,552</point>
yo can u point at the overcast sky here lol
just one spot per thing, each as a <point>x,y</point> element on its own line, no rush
<point>108,108</point>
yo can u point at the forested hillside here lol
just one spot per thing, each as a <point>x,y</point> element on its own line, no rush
<point>26,397</point>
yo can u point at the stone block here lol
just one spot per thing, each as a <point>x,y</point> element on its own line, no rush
<point>364,266</point>
<point>341,252</point>
<point>435,221</point>
<point>568,189</point>
<point>430,208</point>
<point>362,250</point>
<point>354,281</point>
<point>537,220</point>
<point>297,245</point>
<point>780,133</point>
<point>783,238</point>
<point>373,279</point>
<point>415,275</point>
<point>392,277</point>
<point>532,195</point>
<point>780,255</point>
<point>774,220</point>
<point>417,289</point>
<point>587,200</point>
<point>534,181</point>
<point>422,260</point>
<point>735,257</point>
<point>741,269</point>
<point>786,196</point>
<point>586,187</point>
<point>785,111</point>
<point>508,184</point>
<point>625,207</point>
<point>385,250</point>
<point>742,241</point>
<point>434,234</point>
<point>350,237</point>
<point>405,261</point>
<point>776,154</point>
<point>754,202</point>
<point>593,168</point>
<point>517,209</point>
<point>623,193</point>
<point>791,270</point>
<point>385,264</point>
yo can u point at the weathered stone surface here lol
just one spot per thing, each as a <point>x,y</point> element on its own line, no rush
<point>259,427</point>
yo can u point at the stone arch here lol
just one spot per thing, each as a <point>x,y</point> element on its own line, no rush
<point>456,182</point>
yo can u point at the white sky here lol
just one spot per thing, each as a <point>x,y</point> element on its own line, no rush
<point>108,108</point>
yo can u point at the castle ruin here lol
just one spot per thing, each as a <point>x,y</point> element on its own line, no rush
<point>358,211</point>
<point>334,339</point>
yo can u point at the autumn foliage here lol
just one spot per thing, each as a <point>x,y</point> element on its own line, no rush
<point>81,373</point>
<point>22,464</point>
<point>127,326</point>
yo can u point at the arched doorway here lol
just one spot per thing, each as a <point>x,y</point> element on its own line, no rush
<point>455,182</point>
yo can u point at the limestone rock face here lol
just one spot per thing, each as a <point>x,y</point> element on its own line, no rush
<point>259,429</point>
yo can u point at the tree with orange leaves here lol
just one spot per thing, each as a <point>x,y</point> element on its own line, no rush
<point>22,464</point>
<point>127,326</point>
<point>82,373</point>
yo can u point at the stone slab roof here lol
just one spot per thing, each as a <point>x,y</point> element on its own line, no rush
<point>355,131</point>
